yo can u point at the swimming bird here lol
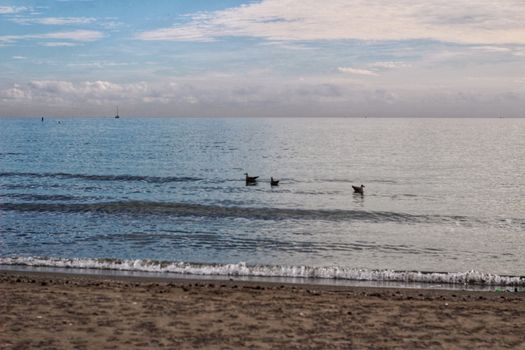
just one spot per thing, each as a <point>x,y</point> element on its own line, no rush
<point>274,182</point>
<point>251,179</point>
<point>359,189</point>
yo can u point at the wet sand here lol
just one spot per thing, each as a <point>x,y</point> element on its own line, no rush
<point>64,311</point>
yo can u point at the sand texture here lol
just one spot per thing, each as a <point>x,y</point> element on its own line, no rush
<point>53,311</point>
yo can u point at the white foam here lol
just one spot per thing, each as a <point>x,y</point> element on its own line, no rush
<point>243,269</point>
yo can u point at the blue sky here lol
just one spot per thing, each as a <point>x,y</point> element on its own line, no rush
<point>346,58</point>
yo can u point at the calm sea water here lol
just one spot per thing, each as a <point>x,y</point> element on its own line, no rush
<point>443,196</point>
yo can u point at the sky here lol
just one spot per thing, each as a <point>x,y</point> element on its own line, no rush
<point>267,58</point>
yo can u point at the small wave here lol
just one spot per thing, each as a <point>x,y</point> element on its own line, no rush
<point>353,181</point>
<point>149,179</point>
<point>10,154</point>
<point>71,205</point>
<point>243,269</point>
<point>200,210</point>
<point>43,197</point>
<point>350,181</point>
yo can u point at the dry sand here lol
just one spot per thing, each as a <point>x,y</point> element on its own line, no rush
<point>53,311</point>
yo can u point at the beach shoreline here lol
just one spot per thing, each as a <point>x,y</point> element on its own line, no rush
<point>61,310</point>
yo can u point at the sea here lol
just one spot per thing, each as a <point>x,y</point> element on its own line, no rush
<point>443,202</point>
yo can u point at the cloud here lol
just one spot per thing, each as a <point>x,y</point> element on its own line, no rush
<point>68,92</point>
<point>54,20</point>
<point>19,57</point>
<point>494,49</point>
<point>76,35</point>
<point>357,71</point>
<point>4,10</point>
<point>286,45</point>
<point>255,94</point>
<point>100,64</point>
<point>211,91</point>
<point>481,22</point>
<point>183,34</point>
<point>58,44</point>
<point>16,92</point>
<point>388,65</point>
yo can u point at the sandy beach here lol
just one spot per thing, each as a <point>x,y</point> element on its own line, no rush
<point>62,311</point>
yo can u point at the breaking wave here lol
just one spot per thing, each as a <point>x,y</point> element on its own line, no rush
<point>245,270</point>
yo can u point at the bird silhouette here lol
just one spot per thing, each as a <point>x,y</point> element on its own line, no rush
<point>359,189</point>
<point>251,179</point>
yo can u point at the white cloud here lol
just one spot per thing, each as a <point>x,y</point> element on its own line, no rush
<point>54,20</point>
<point>357,71</point>
<point>19,57</point>
<point>184,34</point>
<point>12,9</point>
<point>286,45</point>
<point>259,94</point>
<point>100,64</point>
<point>494,49</point>
<point>58,44</point>
<point>212,90</point>
<point>388,65</point>
<point>67,92</point>
<point>16,92</point>
<point>111,23</point>
<point>482,22</point>
<point>76,35</point>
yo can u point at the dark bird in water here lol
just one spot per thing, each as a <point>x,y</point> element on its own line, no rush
<point>251,179</point>
<point>274,182</point>
<point>359,189</point>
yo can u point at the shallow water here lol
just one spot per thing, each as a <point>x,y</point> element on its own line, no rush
<point>441,195</point>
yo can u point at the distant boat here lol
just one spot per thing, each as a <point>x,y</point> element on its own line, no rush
<point>116,115</point>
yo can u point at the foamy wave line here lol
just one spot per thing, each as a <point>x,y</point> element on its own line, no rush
<point>243,269</point>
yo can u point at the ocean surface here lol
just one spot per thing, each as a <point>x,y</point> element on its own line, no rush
<point>444,199</point>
